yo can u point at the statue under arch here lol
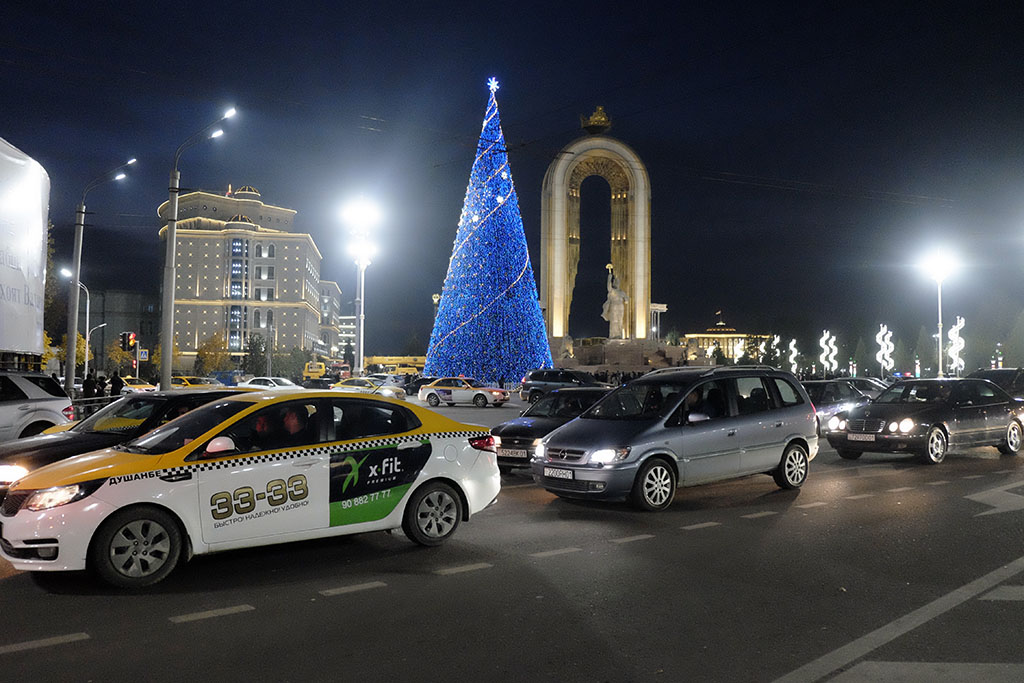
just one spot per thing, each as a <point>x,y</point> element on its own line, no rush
<point>613,160</point>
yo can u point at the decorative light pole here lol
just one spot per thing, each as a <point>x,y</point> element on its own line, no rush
<point>361,216</point>
<point>88,331</point>
<point>167,300</point>
<point>939,265</point>
<point>71,347</point>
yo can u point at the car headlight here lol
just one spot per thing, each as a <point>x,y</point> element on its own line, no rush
<point>536,443</point>
<point>497,441</point>
<point>46,499</point>
<point>906,424</point>
<point>607,455</point>
<point>833,423</point>
<point>11,473</point>
<point>539,453</point>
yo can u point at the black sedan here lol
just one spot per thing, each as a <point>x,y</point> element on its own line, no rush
<point>517,439</point>
<point>117,423</point>
<point>927,417</point>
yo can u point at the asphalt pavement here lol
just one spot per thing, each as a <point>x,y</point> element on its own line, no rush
<point>877,569</point>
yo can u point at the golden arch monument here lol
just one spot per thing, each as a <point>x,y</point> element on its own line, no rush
<point>601,155</point>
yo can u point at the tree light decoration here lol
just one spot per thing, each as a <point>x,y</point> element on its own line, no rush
<point>829,350</point>
<point>793,353</point>
<point>489,323</point>
<point>956,346</point>
<point>885,348</point>
<point>739,350</point>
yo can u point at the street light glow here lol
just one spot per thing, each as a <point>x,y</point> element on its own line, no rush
<point>361,214</point>
<point>940,264</point>
<point>130,161</point>
<point>229,113</point>
<point>120,176</point>
<point>216,134</point>
<point>66,272</point>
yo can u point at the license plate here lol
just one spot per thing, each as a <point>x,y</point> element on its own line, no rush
<point>513,453</point>
<point>860,437</point>
<point>556,473</point>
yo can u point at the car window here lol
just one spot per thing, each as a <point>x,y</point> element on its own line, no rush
<point>787,392</point>
<point>707,398</point>
<point>120,417</point>
<point>354,419</point>
<point>190,427</point>
<point>915,392</point>
<point>475,383</point>
<point>583,377</point>
<point>846,392</point>
<point>986,392</point>
<point>751,396</point>
<point>567,405</point>
<point>282,425</point>
<point>47,384</point>
<point>9,391</point>
<point>637,401</point>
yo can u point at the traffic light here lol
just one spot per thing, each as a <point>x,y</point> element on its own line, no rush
<point>124,341</point>
<point>131,340</point>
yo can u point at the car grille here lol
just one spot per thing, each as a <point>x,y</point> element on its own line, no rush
<point>13,502</point>
<point>564,454</point>
<point>517,442</point>
<point>566,484</point>
<point>865,425</point>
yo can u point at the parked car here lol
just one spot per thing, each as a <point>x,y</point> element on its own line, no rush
<point>1010,380</point>
<point>412,387</point>
<point>270,383</point>
<point>134,384</point>
<point>452,390</point>
<point>317,383</point>
<point>29,403</point>
<point>869,386</point>
<point>121,421</point>
<point>831,396</point>
<point>516,440</point>
<point>188,382</point>
<point>250,470</point>
<point>681,427</point>
<point>538,382</point>
<point>927,417</point>
<point>367,385</point>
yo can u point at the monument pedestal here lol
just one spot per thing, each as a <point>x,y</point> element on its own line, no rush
<point>598,354</point>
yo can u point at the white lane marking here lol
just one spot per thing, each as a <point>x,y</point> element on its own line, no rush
<point>973,476</point>
<point>939,482</point>
<point>44,642</point>
<point>812,505</point>
<point>861,495</point>
<point>1004,471</point>
<point>999,499</point>
<point>702,525</point>
<point>559,551</point>
<point>756,515</point>
<point>936,672</point>
<point>901,489</point>
<point>463,568</point>
<point>1005,593</point>
<point>826,664</point>
<point>353,588</point>
<point>630,539</point>
<point>211,614</point>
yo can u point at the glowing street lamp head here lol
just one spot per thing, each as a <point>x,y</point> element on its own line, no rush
<point>939,265</point>
<point>362,251</point>
<point>217,133</point>
<point>120,176</point>
<point>361,214</point>
<point>130,162</point>
<point>66,272</point>
<point>229,113</point>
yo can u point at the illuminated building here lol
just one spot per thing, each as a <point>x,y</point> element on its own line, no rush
<point>701,345</point>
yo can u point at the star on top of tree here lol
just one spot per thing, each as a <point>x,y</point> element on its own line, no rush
<point>492,83</point>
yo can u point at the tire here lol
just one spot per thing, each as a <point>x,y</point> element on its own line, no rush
<point>34,429</point>
<point>1012,441</point>
<point>432,514</point>
<point>654,487</point>
<point>848,455</point>
<point>792,470</point>
<point>535,396</point>
<point>433,401</point>
<point>480,401</point>
<point>449,404</point>
<point>935,446</point>
<point>117,557</point>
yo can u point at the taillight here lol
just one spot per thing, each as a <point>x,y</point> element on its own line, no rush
<point>69,412</point>
<point>483,443</point>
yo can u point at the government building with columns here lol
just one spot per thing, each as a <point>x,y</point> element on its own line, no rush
<point>242,269</point>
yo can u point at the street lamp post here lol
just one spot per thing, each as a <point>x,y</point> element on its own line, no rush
<point>361,216</point>
<point>939,265</point>
<point>88,332</point>
<point>71,347</point>
<point>167,300</point>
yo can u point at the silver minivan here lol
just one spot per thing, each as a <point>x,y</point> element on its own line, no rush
<point>682,427</point>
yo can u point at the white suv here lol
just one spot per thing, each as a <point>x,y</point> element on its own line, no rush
<point>29,403</point>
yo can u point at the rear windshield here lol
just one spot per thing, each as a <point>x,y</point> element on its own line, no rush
<point>47,384</point>
<point>638,401</point>
<point>186,428</point>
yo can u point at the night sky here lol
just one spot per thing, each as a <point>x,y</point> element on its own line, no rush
<point>801,158</point>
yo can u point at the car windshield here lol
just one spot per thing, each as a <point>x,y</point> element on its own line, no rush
<point>584,377</point>
<point>637,401</point>
<point>475,383</point>
<point>561,405</point>
<point>186,429</point>
<point>284,381</point>
<point>915,392</point>
<point>120,417</point>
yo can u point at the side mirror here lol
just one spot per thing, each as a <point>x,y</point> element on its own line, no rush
<point>693,418</point>
<point>220,444</point>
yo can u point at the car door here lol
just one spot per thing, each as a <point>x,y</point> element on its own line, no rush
<point>757,435</point>
<point>996,404</point>
<point>274,481</point>
<point>968,414</point>
<point>707,450</point>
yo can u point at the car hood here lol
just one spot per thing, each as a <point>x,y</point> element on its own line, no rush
<point>889,411</point>
<point>589,433</point>
<point>36,451</point>
<point>108,462</point>
<point>528,426</point>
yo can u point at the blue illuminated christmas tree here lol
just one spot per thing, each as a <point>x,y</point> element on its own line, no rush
<point>489,323</point>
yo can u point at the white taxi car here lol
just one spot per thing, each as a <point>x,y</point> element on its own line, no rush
<point>250,470</point>
<point>452,390</point>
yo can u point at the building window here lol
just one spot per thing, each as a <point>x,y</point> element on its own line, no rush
<point>270,272</point>
<point>235,340</point>
<point>236,268</point>
<point>236,290</point>
<point>270,293</point>
<point>259,250</point>
<point>236,247</point>
<point>256,319</point>
<point>235,316</point>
